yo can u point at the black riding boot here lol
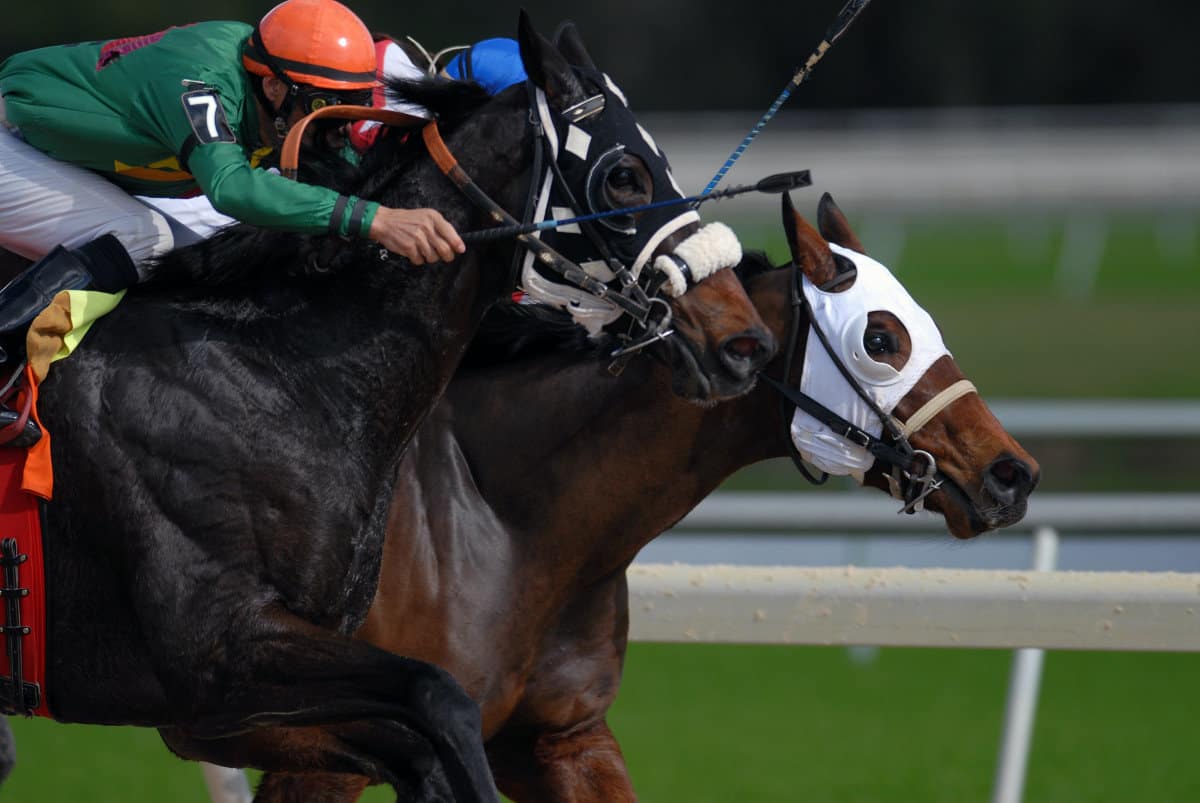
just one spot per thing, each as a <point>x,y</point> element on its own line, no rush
<point>103,264</point>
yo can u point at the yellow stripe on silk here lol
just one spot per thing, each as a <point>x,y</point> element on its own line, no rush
<point>163,170</point>
<point>87,306</point>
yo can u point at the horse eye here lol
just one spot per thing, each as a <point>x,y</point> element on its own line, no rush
<point>623,178</point>
<point>880,343</point>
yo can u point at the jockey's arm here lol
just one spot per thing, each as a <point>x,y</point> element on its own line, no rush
<point>262,198</point>
<point>266,199</point>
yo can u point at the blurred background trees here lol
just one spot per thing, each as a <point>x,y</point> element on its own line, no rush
<point>710,54</point>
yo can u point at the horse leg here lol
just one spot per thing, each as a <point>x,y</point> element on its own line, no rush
<point>278,787</point>
<point>583,765</point>
<point>279,747</point>
<point>278,669</point>
<point>8,752</point>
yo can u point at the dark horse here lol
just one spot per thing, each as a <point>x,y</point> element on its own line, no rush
<point>227,443</point>
<point>509,535</point>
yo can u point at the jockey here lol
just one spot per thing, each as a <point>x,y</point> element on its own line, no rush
<point>495,64</point>
<point>185,111</point>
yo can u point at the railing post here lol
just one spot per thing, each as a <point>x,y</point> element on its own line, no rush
<point>1023,683</point>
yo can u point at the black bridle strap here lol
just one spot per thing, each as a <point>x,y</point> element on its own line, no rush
<point>548,256</point>
<point>798,309</point>
<point>879,448</point>
<point>540,146</point>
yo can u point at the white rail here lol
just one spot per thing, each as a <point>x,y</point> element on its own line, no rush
<point>1110,418</point>
<point>915,607</point>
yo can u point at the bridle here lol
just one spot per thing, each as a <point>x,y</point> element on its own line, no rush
<point>649,313</point>
<point>569,270</point>
<point>914,474</point>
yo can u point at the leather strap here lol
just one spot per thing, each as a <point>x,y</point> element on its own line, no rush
<point>289,157</point>
<point>436,146</point>
<point>935,405</point>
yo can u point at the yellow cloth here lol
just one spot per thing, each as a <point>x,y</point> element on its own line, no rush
<point>54,334</point>
<point>58,329</point>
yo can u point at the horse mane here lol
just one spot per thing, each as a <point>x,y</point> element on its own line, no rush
<point>754,263</point>
<point>515,332</point>
<point>245,255</point>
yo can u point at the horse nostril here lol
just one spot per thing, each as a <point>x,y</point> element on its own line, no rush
<point>747,352</point>
<point>1008,480</point>
<point>743,347</point>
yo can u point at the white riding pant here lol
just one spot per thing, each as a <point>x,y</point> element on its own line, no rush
<point>45,203</point>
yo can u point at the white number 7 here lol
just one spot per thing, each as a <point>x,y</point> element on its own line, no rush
<point>210,113</point>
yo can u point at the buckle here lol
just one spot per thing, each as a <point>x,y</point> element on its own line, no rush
<point>858,437</point>
<point>584,109</point>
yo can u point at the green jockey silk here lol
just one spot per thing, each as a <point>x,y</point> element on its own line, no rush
<point>121,108</point>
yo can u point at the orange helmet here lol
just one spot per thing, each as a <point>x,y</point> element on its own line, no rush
<point>317,43</point>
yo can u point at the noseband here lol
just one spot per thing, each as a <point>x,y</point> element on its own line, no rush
<point>914,474</point>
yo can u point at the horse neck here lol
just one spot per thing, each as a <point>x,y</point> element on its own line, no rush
<point>442,304</point>
<point>587,468</point>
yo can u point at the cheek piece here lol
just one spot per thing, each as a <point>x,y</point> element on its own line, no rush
<point>843,317</point>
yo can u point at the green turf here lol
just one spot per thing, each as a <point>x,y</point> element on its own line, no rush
<point>717,724</point>
<point>1018,329</point>
<point>712,723</point>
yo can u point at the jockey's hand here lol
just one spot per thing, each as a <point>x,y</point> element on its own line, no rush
<point>418,235</point>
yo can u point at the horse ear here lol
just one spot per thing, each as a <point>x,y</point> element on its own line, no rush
<point>570,44</point>
<point>546,67</point>
<point>809,250</point>
<point>834,226</point>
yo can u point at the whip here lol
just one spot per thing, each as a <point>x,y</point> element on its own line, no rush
<point>772,184</point>
<point>847,15</point>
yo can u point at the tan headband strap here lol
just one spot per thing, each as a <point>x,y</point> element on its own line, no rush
<point>935,405</point>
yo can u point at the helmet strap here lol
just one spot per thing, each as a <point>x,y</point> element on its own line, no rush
<point>284,110</point>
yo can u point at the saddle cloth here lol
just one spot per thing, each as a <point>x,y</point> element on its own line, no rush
<point>27,478</point>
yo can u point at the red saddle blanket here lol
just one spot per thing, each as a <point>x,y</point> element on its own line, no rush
<point>20,519</point>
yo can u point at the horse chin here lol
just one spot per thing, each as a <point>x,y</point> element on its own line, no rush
<point>966,517</point>
<point>694,379</point>
<point>688,381</point>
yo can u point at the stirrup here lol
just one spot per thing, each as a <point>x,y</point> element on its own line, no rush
<point>18,430</point>
<point>27,435</point>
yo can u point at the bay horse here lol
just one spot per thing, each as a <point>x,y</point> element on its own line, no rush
<point>227,442</point>
<point>509,535</point>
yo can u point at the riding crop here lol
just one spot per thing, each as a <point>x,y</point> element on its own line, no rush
<point>772,184</point>
<point>847,15</point>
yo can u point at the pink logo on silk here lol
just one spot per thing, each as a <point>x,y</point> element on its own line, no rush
<point>111,51</point>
